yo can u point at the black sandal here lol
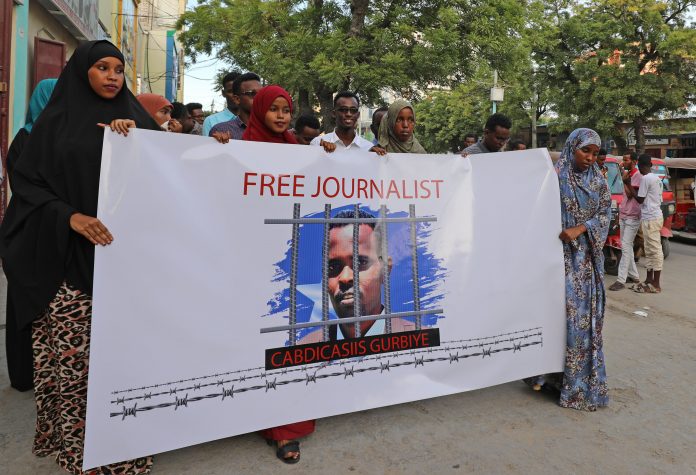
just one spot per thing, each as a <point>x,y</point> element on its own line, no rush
<point>282,452</point>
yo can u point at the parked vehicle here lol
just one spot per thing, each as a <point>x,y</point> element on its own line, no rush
<point>669,208</point>
<point>682,175</point>
<point>612,246</point>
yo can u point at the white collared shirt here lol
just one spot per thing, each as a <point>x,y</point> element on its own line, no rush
<point>358,141</point>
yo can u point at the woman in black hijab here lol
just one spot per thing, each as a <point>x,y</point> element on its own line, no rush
<point>48,236</point>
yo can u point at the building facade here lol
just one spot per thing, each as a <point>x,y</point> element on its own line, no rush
<point>43,34</point>
<point>37,37</point>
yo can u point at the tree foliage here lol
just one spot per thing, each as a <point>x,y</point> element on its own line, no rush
<point>317,47</point>
<point>445,117</point>
<point>597,63</point>
<point>620,61</point>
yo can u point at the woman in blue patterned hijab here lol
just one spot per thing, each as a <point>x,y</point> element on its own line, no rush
<point>585,214</point>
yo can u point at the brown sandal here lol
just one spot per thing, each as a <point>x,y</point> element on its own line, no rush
<point>617,286</point>
<point>646,289</point>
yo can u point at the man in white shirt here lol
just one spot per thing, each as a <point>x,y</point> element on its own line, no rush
<point>650,198</point>
<point>346,113</point>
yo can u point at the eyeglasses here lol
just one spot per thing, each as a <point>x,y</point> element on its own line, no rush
<point>347,110</point>
<point>248,93</point>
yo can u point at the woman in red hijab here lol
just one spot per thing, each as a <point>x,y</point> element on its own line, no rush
<point>269,122</point>
<point>270,117</point>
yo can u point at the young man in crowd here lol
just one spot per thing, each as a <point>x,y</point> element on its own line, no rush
<point>629,222</point>
<point>650,198</point>
<point>516,144</point>
<point>470,139</point>
<point>181,113</point>
<point>230,110</point>
<point>376,120</point>
<point>244,90</point>
<point>601,158</point>
<point>306,129</point>
<point>195,110</point>
<point>496,134</point>
<point>346,113</point>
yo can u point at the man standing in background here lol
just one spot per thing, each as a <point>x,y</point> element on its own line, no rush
<point>601,158</point>
<point>306,129</point>
<point>230,110</point>
<point>496,134</point>
<point>376,119</point>
<point>629,222</point>
<point>195,110</point>
<point>650,198</point>
<point>244,90</point>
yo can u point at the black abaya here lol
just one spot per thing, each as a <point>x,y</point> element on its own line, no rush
<point>57,176</point>
<point>17,338</point>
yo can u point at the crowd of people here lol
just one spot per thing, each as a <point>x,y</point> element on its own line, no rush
<point>48,236</point>
<point>240,89</point>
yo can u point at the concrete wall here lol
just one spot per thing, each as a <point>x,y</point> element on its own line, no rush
<point>154,66</point>
<point>31,20</point>
<point>18,62</point>
<point>43,25</point>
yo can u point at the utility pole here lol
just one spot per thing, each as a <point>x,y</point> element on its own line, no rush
<point>497,93</point>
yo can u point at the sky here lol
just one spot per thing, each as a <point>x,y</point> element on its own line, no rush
<point>199,84</point>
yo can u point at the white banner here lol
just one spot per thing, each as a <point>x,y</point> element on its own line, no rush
<point>220,249</point>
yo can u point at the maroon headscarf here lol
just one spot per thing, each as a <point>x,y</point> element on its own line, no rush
<point>152,103</point>
<point>256,130</point>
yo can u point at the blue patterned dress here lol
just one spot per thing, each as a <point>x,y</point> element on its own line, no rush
<point>585,198</point>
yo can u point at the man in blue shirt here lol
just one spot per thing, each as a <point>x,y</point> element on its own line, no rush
<point>230,110</point>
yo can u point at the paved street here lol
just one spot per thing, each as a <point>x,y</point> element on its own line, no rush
<point>649,427</point>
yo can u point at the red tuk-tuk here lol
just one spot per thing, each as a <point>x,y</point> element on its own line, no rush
<point>660,169</point>
<point>612,247</point>
<point>683,174</point>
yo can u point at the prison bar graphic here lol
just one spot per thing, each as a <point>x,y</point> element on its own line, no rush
<point>412,220</point>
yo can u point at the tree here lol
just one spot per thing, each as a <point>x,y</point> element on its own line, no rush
<point>317,47</point>
<point>530,90</point>
<point>621,61</point>
<point>445,117</point>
